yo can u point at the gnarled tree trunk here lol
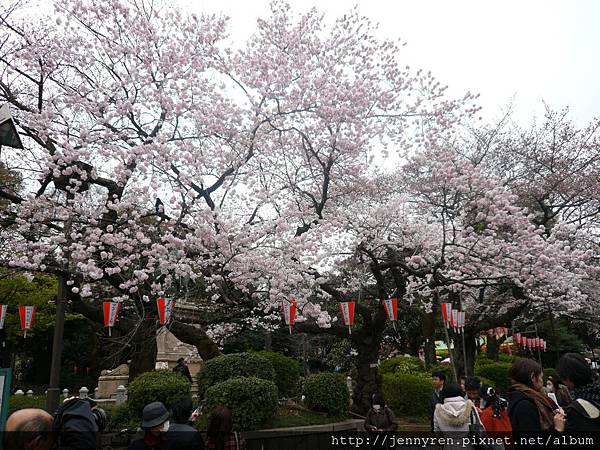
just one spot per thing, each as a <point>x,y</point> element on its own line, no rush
<point>142,352</point>
<point>367,384</point>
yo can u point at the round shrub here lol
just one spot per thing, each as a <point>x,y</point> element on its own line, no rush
<point>401,364</point>
<point>497,373</point>
<point>159,385</point>
<point>118,418</point>
<point>234,365</point>
<point>503,357</point>
<point>287,372</point>
<point>482,360</point>
<point>327,392</point>
<point>549,372</point>
<point>407,394</point>
<point>252,400</point>
<point>17,402</point>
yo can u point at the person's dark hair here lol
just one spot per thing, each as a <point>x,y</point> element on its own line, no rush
<point>522,370</point>
<point>492,399</point>
<point>182,409</point>
<point>378,399</point>
<point>574,367</point>
<point>451,390</point>
<point>440,375</point>
<point>220,426</point>
<point>180,360</point>
<point>472,384</point>
<point>36,427</point>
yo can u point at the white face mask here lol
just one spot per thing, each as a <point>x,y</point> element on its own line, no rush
<point>376,407</point>
<point>166,426</point>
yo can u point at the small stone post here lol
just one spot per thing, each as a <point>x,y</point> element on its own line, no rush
<point>121,396</point>
<point>83,392</point>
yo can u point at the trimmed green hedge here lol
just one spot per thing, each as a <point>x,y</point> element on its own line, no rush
<point>252,400</point>
<point>407,394</point>
<point>234,365</point>
<point>17,402</point>
<point>119,418</point>
<point>158,385</point>
<point>327,392</point>
<point>497,373</point>
<point>287,372</point>
<point>401,364</point>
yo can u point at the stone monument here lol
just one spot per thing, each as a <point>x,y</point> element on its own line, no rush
<point>110,380</point>
<point>170,349</point>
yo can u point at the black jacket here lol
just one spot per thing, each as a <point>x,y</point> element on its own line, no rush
<point>523,413</point>
<point>183,370</point>
<point>579,420</point>
<point>435,399</point>
<point>76,426</point>
<point>184,437</point>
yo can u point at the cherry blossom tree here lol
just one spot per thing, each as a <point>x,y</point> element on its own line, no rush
<point>157,156</point>
<point>154,152</point>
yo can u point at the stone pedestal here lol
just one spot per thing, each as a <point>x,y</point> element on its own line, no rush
<point>110,380</point>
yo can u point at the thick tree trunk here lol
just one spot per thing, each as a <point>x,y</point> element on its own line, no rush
<point>195,336</point>
<point>142,353</point>
<point>366,382</point>
<point>493,347</point>
<point>429,335</point>
<point>459,355</point>
<point>268,341</point>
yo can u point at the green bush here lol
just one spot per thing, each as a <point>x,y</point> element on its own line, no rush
<point>407,394</point>
<point>401,364</point>
<point>287,372</point>
<point>159,385</point>
<point>252,400</point>
<point>17,402</point>
<point>327,392</point>
<point>503,357</point>
<point>235,365</point>
<point>497,373</point>
<point>444,368</point>
<point>119,418</point>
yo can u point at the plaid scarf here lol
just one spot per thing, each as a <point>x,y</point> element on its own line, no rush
<point>589,392</point>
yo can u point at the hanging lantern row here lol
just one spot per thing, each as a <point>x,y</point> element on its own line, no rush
<point>26,314</point>
<point>531,343</point>
<point>390,306</point>
<point>111,312</point>
<point>453,318</point>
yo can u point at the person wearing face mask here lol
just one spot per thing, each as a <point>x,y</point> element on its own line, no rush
<point>380,417</point>
<point>155,423</point>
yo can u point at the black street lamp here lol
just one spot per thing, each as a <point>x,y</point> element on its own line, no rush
<point>63,183</point>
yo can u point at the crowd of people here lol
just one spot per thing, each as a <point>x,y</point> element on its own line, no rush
<point>568,403</point>
<point>76,424</point>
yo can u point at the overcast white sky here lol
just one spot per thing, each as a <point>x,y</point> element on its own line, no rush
<point>530,49</point>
